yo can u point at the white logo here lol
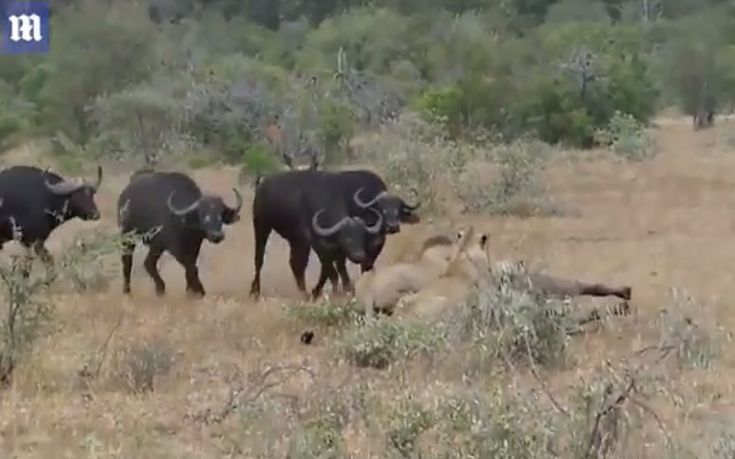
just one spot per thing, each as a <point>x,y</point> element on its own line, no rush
<point>25,27</point>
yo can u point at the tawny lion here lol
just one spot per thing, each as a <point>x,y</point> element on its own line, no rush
<point>382,289</point>
<point>469,265</point>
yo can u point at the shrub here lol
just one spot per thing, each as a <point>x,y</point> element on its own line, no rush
<point>87,264</point>
<point>141,120</point>
<point>320,437</point>
<point>139,364</point>
<point>408,420</point>
<point>122,55</point>
<point>16,114</point>
<point>694,344</point>
<point>446,106</point>
<point>380,343</point>
<point>24,314</point>
<point>325,313</point>
<point>518,188</point>
<point>626,137</point>
<point>257,160</point>
<point>498,422</point>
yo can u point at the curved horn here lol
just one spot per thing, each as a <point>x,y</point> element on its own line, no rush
<point>180,212</point>
<point>64,187</point>
<point>326,232</point>
<point>99,178</point>
<point>362,204</point>
<point>238,197</point>
<point>418,202</point>
<point>377,226</point>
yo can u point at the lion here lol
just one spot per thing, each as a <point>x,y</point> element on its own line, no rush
<point>468,266</point>
<point>381,288</point>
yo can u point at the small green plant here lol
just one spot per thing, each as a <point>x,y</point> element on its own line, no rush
<point>513,327</point>
<point>519,189</point>
<point>88,266</point>
<point>321,436</point>
<point>379,343</point>
<point>24,314</point>
<point>325,313</point>
<point>626,137</point>
<point>492,423</point>
<point>408,420</point>
<point>139,364</point>
<point>257,160</point>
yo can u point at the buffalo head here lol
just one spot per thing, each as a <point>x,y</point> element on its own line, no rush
<point>394,209</point>
<point>209,213</point>
<point>350,233</point>
<point>79,195</point>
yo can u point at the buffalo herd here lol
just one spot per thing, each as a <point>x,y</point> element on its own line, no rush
<point>339,215</point>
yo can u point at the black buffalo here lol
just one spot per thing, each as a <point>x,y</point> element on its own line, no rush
<point>171,214</point>
<point>363,191</point>
<point>305,207</point>
<point>36,201</point>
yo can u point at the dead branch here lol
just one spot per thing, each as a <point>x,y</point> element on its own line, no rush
<point>241,395</point>
<point>596,438</point>
<point>91,370</point>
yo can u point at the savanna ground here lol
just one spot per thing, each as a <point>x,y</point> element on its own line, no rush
<point>661,223</point>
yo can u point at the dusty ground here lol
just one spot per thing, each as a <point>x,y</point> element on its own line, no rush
<point>667,222</point>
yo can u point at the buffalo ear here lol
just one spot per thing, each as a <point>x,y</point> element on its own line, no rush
<point>230,216</point>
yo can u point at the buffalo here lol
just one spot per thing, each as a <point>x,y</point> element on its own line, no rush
<point>36,201</point>
<point>364,190</point>
<point>306,208</point>
<point>171,214</point>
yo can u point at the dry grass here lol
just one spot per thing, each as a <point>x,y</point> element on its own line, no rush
<point>172,364</point>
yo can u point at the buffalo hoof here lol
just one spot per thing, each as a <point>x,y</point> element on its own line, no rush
<point>626,293</point>
<point>160,291</point>
<point>195,294</point>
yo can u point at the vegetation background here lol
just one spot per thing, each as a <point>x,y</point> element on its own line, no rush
<point>537,120</point>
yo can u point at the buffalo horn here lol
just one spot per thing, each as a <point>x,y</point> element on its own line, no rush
<point>180,212</point>
<point>377,226</point>
<point>238,197</point>
<point>64,187</point>
<point>326,232</point>
<point>99,178</point>
<point>364,204</point>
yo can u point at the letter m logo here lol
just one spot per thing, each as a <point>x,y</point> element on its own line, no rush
<point>25,28</point>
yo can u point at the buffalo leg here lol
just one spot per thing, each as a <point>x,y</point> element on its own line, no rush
<point>150,264</point>
<point>298,260</point>
<point>371,256</point>
<point>127,264</point>
<point>327,272</point>
<point>193,283</point>
<point>261,240</point>
<point>341,265</point>
<point>188,259</point>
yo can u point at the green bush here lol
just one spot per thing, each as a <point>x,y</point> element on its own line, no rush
<point>444,105</point>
